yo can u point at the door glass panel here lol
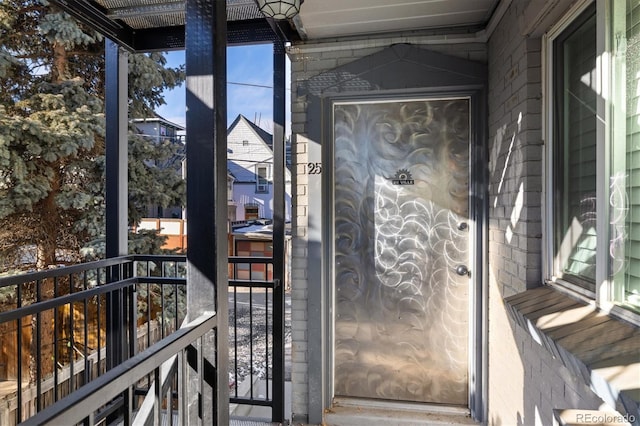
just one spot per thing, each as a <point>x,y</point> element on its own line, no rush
<point>401,229</point>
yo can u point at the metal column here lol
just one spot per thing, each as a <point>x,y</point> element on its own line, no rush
<point>207,257</point>
<point>116,108</point>
<point>279,213</point>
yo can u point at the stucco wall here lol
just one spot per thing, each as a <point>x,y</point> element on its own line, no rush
<point>525,381</point>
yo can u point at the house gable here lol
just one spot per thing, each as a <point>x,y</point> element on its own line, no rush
<point>401,66</point>
<point>398,68</point>
<point>247,146</point>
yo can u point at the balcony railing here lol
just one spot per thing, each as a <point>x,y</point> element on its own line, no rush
<point>160,360</point>
<point>256,332</point>
<point>59,338</point>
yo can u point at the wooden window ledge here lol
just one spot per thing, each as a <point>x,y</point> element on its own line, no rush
<point>603,350</point>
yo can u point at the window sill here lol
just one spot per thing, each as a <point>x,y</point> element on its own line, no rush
<point>630,314</point>
<point>601,349</point>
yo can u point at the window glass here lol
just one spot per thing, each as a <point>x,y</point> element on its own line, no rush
<point>574,127</point>
<point>243,248</point>
<point>261,181</point>
<point>250,212</point>
<point>258,271</point>
<point>625,160</point>
<point>257,246</point>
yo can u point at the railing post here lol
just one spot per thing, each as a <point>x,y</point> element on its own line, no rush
<point>115,329</point>
<point>132,311</point>
<point>127,409</point>
<point>182,387</point>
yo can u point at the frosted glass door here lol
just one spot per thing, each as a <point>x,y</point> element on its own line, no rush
<point>401,226</point>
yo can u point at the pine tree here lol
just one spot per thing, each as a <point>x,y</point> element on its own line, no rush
<point>52,136</point>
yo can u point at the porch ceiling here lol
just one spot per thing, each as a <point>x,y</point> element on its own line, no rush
<point>143,25</point>
<point>320,19</point>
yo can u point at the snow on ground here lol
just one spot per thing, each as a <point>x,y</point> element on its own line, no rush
<point>249,352</point>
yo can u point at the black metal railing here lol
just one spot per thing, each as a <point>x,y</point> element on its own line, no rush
<point>177,349</point>
<point>45,334</point>
<point>56,333</point>
<point>62,338</point>
<point>161,295</point>
<point>256,318</point>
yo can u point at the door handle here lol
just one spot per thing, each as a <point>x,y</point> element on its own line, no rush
<point>462,270</point>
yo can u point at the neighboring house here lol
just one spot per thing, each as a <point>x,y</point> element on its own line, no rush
<point>249,178</point>
<point>250,162</point>
<point>287,153</point>
<point>250,167</point>
<point>158,130</point>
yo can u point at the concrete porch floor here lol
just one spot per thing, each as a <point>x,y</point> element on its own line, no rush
<point>363,412</point>
<point>367,416</point>
<point>354,414</point>
<point>245,415</point>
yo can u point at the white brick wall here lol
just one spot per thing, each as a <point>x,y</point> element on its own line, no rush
<point>300,203</point>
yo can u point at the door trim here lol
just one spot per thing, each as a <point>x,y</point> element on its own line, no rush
<point>478,214</point>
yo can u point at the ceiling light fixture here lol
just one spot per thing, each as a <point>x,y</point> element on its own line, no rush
<point>279,9</point>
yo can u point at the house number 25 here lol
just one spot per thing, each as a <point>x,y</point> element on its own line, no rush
<point>314,168</point>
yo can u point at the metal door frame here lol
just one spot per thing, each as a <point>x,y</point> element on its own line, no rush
<point>478,213</point>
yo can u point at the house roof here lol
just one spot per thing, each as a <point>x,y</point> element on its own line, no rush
<point>259,230</point>
<point>160,119</point>
<point>260,132</point>
<point>239,173</point>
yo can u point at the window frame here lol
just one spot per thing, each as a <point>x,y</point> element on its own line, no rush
<point>603,294</point>
<point>251,206</point>
<point>557,128</point>
<point>262,188</point>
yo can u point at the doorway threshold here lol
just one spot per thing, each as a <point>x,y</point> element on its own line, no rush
<point>359,412</point>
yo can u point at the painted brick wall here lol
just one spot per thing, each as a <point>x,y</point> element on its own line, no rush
<point>525,381</point>
<point>308,61</point>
